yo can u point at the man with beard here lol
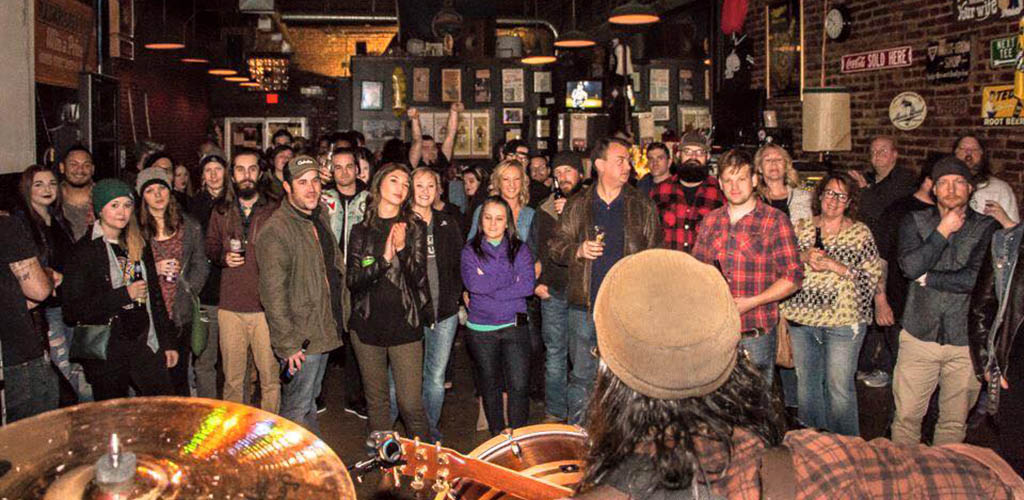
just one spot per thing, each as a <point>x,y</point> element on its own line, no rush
<point>302,282</point>
<point>755,248</point>
<point>942,250</point>
<point>77,170</point>
<point>600,225</point>
<point>687,197</point>
<point>551,286</point>
<point>659,162</point>
<point>231,244</point>
<point>540,179</point>
<point>346,205</point>
<point>992,196</point>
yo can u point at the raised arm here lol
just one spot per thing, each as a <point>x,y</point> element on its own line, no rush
<point>416,148</point>
<point>448,146</point>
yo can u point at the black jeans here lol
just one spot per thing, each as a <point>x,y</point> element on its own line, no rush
<point>1011,410</point>
<point>129,363</point>
<point>502,354</point>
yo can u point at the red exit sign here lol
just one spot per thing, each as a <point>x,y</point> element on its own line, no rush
<point>875,60</point>
<point>272,99</point>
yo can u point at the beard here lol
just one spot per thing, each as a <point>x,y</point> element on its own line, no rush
<point>246,190</point>
<point>692,171</point>
<point>78,185</point>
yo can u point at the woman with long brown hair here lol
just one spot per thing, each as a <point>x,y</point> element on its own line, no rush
<point>179,253</point>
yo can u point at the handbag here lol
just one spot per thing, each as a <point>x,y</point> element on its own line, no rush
<point>90,342</point>
<point>784,352</point>
<point>199,325</point>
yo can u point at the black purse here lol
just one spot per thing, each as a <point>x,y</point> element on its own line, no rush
<point>90,342</point>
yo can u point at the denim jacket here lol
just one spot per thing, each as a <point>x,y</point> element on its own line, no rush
<point>937,312</point>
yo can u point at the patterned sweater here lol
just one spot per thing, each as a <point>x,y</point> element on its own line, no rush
<point>828,299</point>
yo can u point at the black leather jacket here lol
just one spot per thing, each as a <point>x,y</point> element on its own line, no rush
<point>366,270</point>
<point>985,301</point>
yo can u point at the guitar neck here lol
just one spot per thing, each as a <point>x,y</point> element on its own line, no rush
<point>511,482</point>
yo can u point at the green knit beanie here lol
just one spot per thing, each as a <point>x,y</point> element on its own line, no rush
<point>106,190</point>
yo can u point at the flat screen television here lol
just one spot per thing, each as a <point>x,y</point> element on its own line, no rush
<point>583,94</point>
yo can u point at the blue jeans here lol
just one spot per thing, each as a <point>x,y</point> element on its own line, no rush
<point>297,396</point>
<point>555,331</point>
<point>60,335</point>
<point>31,388</point>
<point>437,347</point>
<point>826,364</point>
<point>582,341</point>
<point>761,351</point>
<point>503,354</point>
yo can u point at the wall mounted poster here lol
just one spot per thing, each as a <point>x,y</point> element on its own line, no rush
<point>512,85</point>
<point>451,85</point>
<point>659,85</point>
<point>427,124</point>
<point>949,61</point>
<point>481,144</point>
<point>983,10</point>
<point>463,142</point>
<point>999,107</point>
<point>785,37</point>
<point>421,84</point>
<point>482,85</point>
<point>660,113</point>
<point>686,85</point>
<point>542,82</point>
<point>372,96</point>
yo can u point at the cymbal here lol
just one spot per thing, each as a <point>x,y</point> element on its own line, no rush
<point>185,448</point>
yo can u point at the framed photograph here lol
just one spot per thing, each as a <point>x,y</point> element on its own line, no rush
<point>686,85</point>
<point>451,85</point>
<point>661,113</point>
<point>512,115</point>
<point>512,85</point>
<point>784,59</point>
<point>543,128</point>
<point>542,82</point>
<point>694,118</point>
<point>481,142</point>
<point>421,84</point>
<point>512,134</point>
<point>463,141</point>
<point>372,96</point>
<point>542,111</point>
<point>482,85</point>
<point>659,85</point>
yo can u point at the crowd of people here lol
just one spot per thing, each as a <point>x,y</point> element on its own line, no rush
<point>276,261</point>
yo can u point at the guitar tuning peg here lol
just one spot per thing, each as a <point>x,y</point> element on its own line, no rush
<point>396,477</point>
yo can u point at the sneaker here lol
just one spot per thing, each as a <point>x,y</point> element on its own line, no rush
<point>861,374</point>
<point>357,410</point>
<point>321,405</point>
<point>877,378</point>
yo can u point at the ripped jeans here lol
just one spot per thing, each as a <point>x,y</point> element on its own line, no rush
<point>59,339</point>
<point>826,366</point>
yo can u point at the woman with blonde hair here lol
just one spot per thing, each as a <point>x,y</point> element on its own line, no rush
<point>780,183</point>
<point>509,181</point>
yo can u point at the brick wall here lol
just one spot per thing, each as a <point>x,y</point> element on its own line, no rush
<point>879,24</point>
<point>326,50</point>
<point>178,104</point>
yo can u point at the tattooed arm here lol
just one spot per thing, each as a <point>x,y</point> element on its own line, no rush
<point>35,283</point>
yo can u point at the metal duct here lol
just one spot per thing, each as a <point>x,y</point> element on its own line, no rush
<point>390,19</point>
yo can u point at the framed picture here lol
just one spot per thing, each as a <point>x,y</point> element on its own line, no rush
<point>686,92</point>
<point>421,84</point>
<point>372,97</point>
<point>543,128</point>
<point>451,85</point>
<point>542,111</point>
<point>694,118</point>
<point>784,57</point>
<point>512,115</point>
<point>482,85</point>
<point>512,134</point>
<point>463,141</point>
<point>512,85</point>
<point>542,82</point>
<point>659,85</point>
<point>661,113</point>
<point>480,145</point>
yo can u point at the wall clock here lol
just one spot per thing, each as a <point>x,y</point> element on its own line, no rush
<point>837,23</point>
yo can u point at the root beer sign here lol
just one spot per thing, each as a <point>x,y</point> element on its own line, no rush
<point>899,57</point>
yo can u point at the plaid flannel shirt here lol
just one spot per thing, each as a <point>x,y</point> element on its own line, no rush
<point>678,217</point>
<point>758,250</point>
<point>843,467</point>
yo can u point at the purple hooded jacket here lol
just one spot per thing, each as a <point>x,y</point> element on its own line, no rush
<point>497,289</point>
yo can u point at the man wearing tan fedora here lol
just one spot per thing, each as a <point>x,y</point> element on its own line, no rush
<point>679,411</point>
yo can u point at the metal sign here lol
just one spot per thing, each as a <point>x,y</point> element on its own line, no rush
<point>984,10</point>
<point>999,107</point>
<point>1004,51</point>
<point>898,57</point>
<point>949,61</point>
<point>908,110</point>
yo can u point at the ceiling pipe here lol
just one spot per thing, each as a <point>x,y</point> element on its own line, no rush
<point>389,19</point>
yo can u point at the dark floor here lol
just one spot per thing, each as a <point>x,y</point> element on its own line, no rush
<point>346,434</point>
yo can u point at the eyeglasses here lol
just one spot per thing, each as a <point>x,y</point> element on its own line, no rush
<point>692,152</point>
<point>880,151</point>
<point>836,195</point>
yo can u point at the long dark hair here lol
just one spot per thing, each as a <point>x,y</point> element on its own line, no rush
<point>405,210</point>
<point>173,219</point>
<point>477,243</point>
<point>56,214</point>
<point>622,423</point>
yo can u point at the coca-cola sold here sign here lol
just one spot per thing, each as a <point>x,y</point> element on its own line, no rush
<point>875,60</point>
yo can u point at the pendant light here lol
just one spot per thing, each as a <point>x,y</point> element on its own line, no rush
<point>540,53</point>
<point>574,39</point>
<point>196,53</point>
<point>236,79</point>
<point>164,39</point>
<point>633,13</point>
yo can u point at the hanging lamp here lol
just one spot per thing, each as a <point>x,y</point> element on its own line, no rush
<point>196,53</point>
<point>165,39</point>
<point>633,13</point>
<point>574,38</point>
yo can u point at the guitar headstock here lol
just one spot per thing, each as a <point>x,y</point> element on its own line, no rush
<point>430,462</point>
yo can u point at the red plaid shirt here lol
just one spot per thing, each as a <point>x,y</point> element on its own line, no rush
<point>678,217</point>
<point>758,250</point>
<point>842,467</point>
